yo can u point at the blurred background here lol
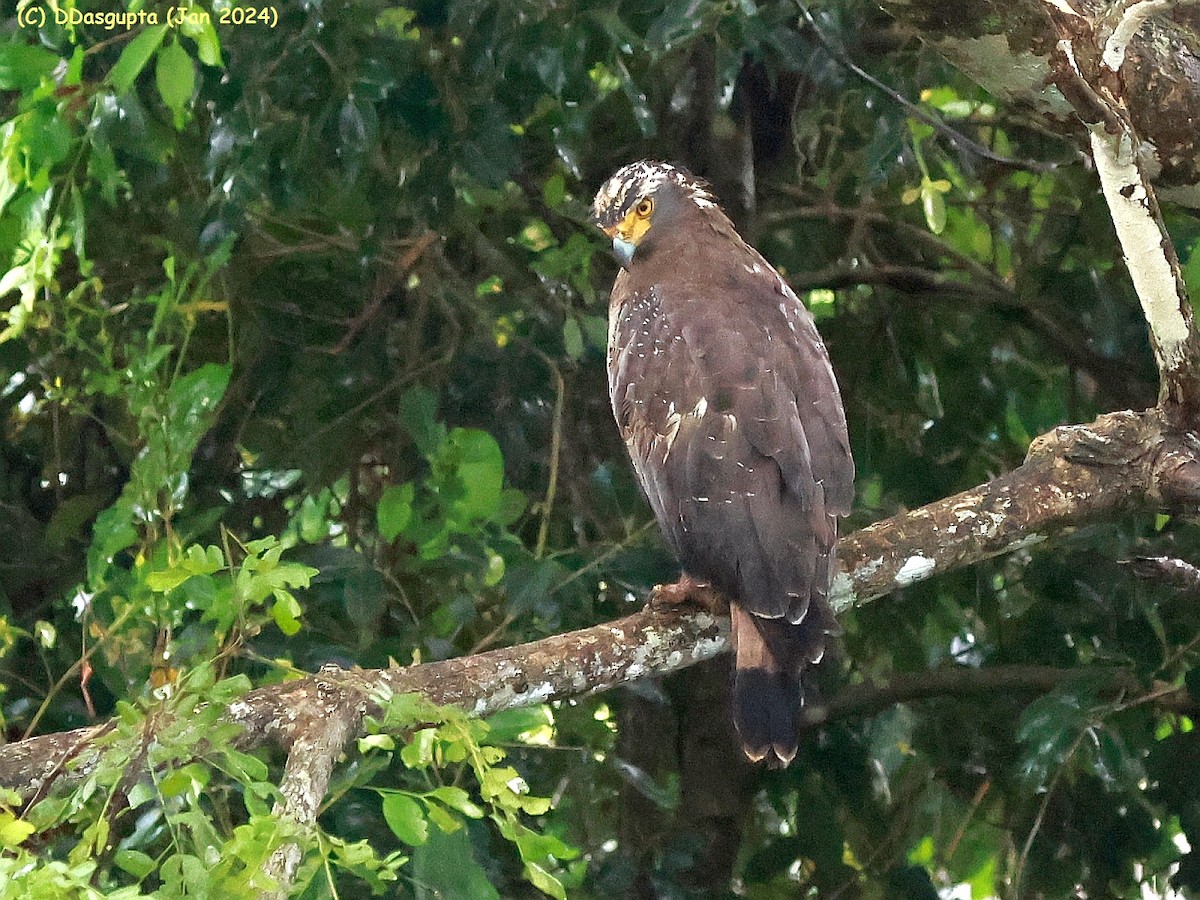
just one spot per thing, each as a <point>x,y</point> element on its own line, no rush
<point>328,285</point>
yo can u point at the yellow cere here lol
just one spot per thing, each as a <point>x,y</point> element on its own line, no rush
<point>636,222</point>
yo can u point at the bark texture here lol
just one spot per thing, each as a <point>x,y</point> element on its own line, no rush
<point>1073,475</point>
<point>1008,45</point>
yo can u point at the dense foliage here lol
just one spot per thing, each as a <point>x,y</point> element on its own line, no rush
<point>303,362</point>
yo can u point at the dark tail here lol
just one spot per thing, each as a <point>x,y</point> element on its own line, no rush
<point>769,659</point>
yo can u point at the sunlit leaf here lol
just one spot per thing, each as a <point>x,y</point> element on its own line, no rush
<point>406,817</point>
<point>395,509</point>
<point>934,205</point>
<point>480,466</point>
<point>13,831</point>
<point>136,863</point>
<point>458,799</point>
<point>135,56</point>
<point>175,75</point>
<point>545,881</point>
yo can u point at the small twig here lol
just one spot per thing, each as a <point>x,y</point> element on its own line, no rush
<point>1019,872</point>
<point>556,432</point>
<point>384,282</point>
<point>608,554</point>
<point>957,138</point>
<point>962,827</point>
<point>75,667</point>
<point>952,681</point>
<point>492,636</point>
<point>1181,575</point>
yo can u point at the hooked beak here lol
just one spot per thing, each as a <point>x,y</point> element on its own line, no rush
<point>622,248</point>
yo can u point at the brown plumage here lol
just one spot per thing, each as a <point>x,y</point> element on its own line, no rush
<point>725,397</point>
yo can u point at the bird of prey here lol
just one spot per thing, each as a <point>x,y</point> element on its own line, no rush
<point>724,394</point>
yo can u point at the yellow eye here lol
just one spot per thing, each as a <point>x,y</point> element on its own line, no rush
<point>644,208</point>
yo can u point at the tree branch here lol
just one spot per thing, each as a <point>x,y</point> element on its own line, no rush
<point>1087,69</point>
<point>1178,573</point>
<point>319,741</point>
<point>1073,475</point>
<point>861,700</point>
<point>1000,46</point>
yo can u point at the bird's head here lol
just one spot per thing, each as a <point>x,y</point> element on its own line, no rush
<point>644,198</point>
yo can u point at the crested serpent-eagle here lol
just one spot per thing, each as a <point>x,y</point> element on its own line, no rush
<point>724,394</point>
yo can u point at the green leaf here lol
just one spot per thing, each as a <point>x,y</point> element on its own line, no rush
<point>494,573</point>
<point>397,23</point>
<point>208,44</point>
<point>191,778</point>
<point>13,831</point>
<point>512,506</point>
<point>508,725</point>
<point>572,338</point>
<point>23,66</point>
<point>168,580</point>
<point>136,863</point>
<point>242,766</point>
<point>493,284</point>
<point>405,710</point>
<point>1112,762</point>
<point>934,205</point>
<point>418,412</point>
<point>406,817</point>
<point>382,742</point>
<point>228,689</point>
<point>112,532</point>
<point>418,752</point>
<point>542,879</point>
<point>175,75</point>
<point>554,191</point>
<point>192,399</point>
<point>446,866</point>
<point>142,793</point>
<point>47,141</point>
<point>536,236</point>
<point>395,509</point>
<point>1050,726</point>
<point>532,845</point>
<point>128,713</point>
<point>134,58</point>
<point>74,73</point>
<point>103,170</point>
<point>458,799</point>
<point>286,612</point>
<point>534,806</point>
<point>444,819</point>
<point>480,466</point>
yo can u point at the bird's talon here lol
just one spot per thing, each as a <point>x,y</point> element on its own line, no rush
<point>667,595</point>
<point>691,592</point>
